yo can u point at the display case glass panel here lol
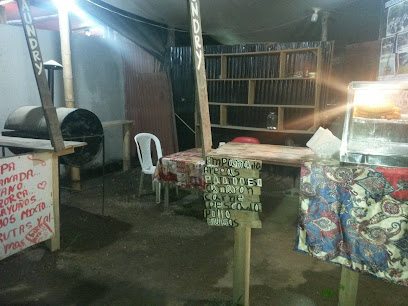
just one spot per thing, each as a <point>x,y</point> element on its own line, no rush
<point>376,124</point>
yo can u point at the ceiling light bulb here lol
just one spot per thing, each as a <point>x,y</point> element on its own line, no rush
<point>315,15</point>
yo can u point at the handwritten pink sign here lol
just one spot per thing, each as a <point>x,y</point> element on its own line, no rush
<point>26,211</point>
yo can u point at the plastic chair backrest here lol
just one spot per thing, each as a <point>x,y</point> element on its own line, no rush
<point>143,146</point>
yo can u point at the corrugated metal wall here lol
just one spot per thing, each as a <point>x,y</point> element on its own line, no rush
<point>148,97</point>
<point>266,66</point>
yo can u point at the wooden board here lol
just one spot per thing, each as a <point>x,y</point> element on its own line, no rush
<point>260,105</point>
<point>264,52</point>
<point>231,189</point>
<point>268,154</point>
<point>232,218</point>
<point>232,185</point>
<point>33,45</point>
<point>149,106</point>
<point>35,144</point>
<point>236,181</point>
<point>235,162</point>
<point>200,77</point>
<point>231,172</point>
<point>26,202</point>
<point>230,197</point>
<point>246,128</point>
<point>244,206</point>
<point>116,123</point>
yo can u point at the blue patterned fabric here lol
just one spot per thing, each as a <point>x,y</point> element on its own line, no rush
<point>356,216</point>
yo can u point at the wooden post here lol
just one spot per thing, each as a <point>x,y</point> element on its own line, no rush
<point>166,195</point>
<point>171,38</point>
<point>348,287</point>
<point>318,86</point>
<point>281,116</point>
<point>64,27</point>
<point>282,65</point>
<point>3,18</point>
<point>197,128</point>
<point>200,78</point>
<point>325,18</point>
<point>224,67</point>
<point>54,243</point>
<point>242,220</point>
<point>126,146</point>
<point>242,258</point>
<point>251,92</point>
<point>50,113</point>
<point>171,42</point>
<point>223,115</point>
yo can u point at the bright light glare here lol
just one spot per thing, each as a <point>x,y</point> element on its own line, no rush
<point>373,97</point>
<point>70,6</point>
<point>5,2</point>
<point>65,5</point>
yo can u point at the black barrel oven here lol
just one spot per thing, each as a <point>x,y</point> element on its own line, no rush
<point>76,125</point>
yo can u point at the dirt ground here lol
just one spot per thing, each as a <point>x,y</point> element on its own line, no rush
<point>138,254</point>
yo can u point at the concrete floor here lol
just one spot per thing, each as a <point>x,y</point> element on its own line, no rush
<point>136,254</point>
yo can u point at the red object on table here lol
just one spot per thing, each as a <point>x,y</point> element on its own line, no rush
<point>246,140</point>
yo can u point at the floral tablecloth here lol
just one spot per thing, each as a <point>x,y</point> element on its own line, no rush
<point>356,216</point>
<point>184,169</point>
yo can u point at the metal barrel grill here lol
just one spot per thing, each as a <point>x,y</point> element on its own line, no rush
<point>76,125</point>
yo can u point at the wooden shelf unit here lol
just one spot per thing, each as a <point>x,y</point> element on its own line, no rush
<point>283,76</point>
<point>247,128</point>
<point>259,79</point>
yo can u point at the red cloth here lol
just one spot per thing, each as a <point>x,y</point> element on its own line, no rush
<point>397,177</point>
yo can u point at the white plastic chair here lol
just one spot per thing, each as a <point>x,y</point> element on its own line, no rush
<point>143,145</point>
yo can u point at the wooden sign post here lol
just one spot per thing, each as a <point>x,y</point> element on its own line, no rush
<point>199,73</point>
<point>232,192</point>
<point>50,113</point>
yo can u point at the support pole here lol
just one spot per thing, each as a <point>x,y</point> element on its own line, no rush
<point>348,287</point>
<point>3,18</point>
<point>126,146</point>
<point>200,78</point>
<point>171,38</point>
<point>325,19</point>
<point>54,243</point>
<point>242,258</point>
<point>171,42</point>
<point>50,114</point>
<point>65,32</point>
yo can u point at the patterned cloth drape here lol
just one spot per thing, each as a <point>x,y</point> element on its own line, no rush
<point>356,216</point>
<point>183,169</point>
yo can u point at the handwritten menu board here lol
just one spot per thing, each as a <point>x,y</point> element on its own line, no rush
<point>232,190</point>
<point>26,211</point>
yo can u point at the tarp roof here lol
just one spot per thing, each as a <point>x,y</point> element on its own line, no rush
<point>243,21</point>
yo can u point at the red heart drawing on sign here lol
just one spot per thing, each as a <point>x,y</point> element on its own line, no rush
<point>42,185</point>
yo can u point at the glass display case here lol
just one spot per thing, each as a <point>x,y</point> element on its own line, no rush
<point>376,124</point>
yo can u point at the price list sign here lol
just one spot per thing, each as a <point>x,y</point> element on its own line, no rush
<point>232,191</point>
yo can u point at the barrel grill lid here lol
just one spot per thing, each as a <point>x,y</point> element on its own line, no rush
<point>76,125</point>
